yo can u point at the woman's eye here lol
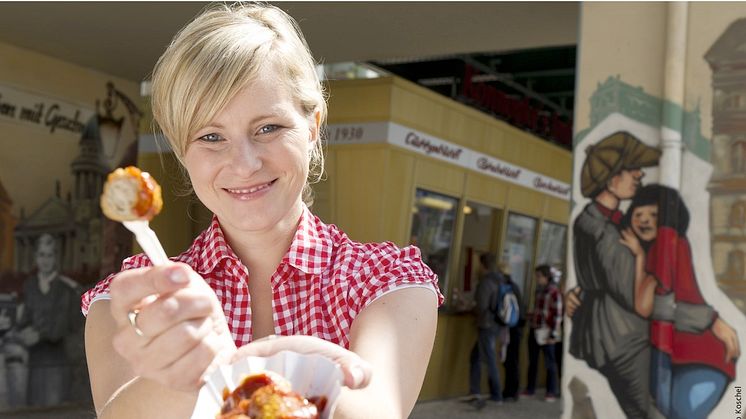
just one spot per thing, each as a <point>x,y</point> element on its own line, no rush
<point>210,138</point>
<point>267,129</point>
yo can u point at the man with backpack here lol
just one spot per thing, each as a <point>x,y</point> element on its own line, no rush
<point>511,360</point>
<point>486,310</point>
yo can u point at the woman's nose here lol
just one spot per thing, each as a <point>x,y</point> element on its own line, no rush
<point>246,158</point>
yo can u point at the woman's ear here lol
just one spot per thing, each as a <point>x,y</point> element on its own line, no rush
<point>315,128</point>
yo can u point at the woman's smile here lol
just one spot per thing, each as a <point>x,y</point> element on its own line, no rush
<point>250,192</point>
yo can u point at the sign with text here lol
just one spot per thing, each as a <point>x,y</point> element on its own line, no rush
<point>362,133</point>
<point>428,145</point>
<point>53,115</point>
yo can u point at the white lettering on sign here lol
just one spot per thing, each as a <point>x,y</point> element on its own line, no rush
<point>53,115</point>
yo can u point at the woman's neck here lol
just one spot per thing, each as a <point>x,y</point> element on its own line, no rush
<point>262,251</point>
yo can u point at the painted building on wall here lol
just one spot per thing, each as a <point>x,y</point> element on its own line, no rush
<point>62,128</point>
<point>655,248</point>
<point>726,59</point>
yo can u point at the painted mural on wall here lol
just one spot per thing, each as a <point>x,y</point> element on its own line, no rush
<point>57,251</point>
<point>727,186</point>
<point>659,272</point>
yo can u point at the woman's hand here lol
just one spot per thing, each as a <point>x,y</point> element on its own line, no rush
<point>184,331</point>
<point>629,239</point>
<point>357,372</point>
<point>729,337</point>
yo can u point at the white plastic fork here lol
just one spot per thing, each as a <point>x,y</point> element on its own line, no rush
<point>148,241</point>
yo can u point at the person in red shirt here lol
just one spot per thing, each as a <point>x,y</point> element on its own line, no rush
<point>694,351</point>
<point>545,331</point>
<point>237,95</point>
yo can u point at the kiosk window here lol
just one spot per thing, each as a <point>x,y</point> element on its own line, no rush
<point>518,249</point>
<point>433,220</point>
<point>552,245</point>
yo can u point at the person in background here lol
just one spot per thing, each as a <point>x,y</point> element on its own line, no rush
<point>488,330</point>
<point>511,363</point>
<point>545,332</point>
<point>50,316</point>
<point>237,95</point>
<point>559,345</point>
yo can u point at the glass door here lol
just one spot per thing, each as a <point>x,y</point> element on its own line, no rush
<point>433,223</point>
<point>518,250</point>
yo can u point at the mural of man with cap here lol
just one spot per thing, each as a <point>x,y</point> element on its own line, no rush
<point>607,333</point>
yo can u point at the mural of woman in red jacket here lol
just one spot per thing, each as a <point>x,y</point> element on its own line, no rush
<point>694,351</point>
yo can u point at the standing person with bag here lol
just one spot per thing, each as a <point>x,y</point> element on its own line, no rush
<point>486,296</point>
<point>545,332</point>
<point>512,359</point>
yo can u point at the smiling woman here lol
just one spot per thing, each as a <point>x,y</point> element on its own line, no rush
<point>248,165</point>
<point>237,96</point>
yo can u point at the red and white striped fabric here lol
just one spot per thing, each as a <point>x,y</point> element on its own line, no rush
<point>324,281</point>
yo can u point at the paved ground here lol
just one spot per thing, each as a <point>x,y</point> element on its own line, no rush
<point>62,412</point>
<point>441,409</point>
<point>454,409</point>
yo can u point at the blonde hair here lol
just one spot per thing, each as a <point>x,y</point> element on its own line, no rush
<point>220,52</point>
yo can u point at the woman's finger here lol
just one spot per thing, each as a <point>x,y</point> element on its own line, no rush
<point>169,310</point>
<point>129,288</point>
<point>188,371</point>
<point>357,372</point>
<point>175,343</point>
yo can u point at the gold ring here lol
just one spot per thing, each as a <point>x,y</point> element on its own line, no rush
<point>132,316</point>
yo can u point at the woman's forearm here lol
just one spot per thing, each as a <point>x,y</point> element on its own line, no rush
<point>367,403</point>
<point>142,398</point>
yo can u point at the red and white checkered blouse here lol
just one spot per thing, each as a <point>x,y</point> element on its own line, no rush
<point>321,285</point>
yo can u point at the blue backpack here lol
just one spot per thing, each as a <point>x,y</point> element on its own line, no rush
<point>507,311</point>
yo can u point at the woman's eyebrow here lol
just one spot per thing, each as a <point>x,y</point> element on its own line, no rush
<point>279,112</point>
<point>274,113</point>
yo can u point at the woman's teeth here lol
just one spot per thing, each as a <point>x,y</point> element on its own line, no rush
<point>250,190</point>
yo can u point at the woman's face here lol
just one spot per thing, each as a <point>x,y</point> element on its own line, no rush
<point>645,222</point>
<point>249,165</point>
<point>540,279</point>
